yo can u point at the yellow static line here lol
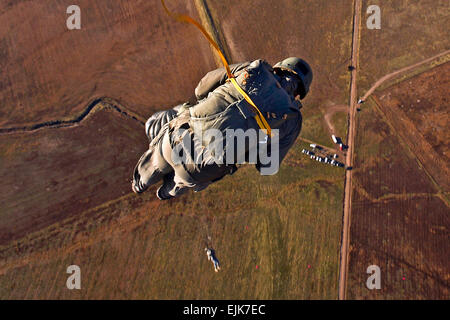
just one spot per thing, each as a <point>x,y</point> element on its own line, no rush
<point>261,121</point>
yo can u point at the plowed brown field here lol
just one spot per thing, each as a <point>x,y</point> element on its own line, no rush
<point>127,50</point>
<point>400,213</point>
<point>52,173</point>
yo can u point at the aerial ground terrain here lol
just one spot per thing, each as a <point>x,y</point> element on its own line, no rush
<point>72,108</point>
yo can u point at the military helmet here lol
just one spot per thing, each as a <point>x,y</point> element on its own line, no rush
<point>301,69</point>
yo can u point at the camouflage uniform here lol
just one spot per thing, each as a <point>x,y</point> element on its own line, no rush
<point>220,106</point>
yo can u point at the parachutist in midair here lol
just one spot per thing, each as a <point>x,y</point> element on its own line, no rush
<point>185,149</point>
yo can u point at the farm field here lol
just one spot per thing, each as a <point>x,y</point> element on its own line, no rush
<point>126,50</point>
<point>400,214</point>
<point>398,174</point>
<point>411,31</point>
<point>73,105</point>
<point>276,237</point>
<point>52,173</point>
<point>418,109</point>
<point>127,248</point>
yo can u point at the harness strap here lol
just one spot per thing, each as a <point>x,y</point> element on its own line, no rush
<point>261,121</point>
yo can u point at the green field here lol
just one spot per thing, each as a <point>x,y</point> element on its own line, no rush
<point>134,247</point>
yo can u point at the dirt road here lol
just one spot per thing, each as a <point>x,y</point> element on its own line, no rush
<point>396,73</point>
<point>349,158</point>
<point>330,112</point>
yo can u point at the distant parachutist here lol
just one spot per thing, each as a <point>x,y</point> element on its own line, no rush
<point>212,256</point>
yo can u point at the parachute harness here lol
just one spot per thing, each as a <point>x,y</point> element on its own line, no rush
<point>260,120</point>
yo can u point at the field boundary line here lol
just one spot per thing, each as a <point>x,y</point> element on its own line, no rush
<point>405,145</point>
<point>392,196</point>
<point>94,106</point>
